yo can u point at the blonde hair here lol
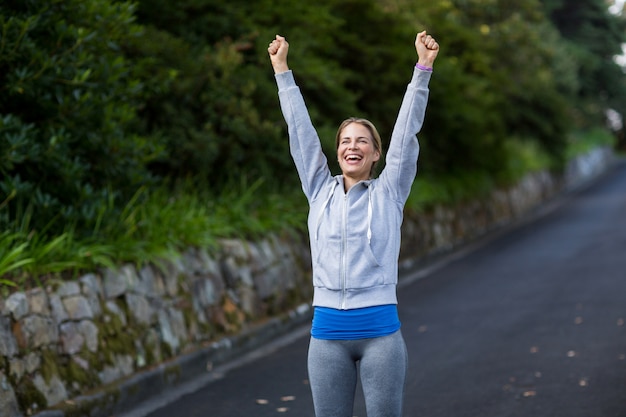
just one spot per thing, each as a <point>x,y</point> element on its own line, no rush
<point>378,144</point>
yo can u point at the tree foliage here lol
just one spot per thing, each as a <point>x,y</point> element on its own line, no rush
<point>66,106</point>
<point>593,37</point>
<point>100,97</point>
<point>501,74</point>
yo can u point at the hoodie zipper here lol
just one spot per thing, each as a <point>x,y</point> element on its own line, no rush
<point>344,246</point>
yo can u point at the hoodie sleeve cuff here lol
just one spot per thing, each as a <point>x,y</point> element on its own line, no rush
<point>285,80</point>
<point>420,78</point>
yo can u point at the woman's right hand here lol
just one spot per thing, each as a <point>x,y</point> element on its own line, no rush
<point>278,50</point>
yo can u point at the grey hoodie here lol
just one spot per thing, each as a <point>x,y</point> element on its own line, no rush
<point>355,236</point>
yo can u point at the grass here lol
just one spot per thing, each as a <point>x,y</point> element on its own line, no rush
<point>154,225</point>
<point>158,224</point>
<point>583,142</point>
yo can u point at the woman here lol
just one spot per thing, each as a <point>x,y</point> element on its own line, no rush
<point>354,227</point>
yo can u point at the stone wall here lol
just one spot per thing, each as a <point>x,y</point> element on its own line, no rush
<point>64,340</point>
<point>445,227</point>
<point>72,338</point>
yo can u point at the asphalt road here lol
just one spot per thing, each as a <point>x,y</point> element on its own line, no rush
<point>529,323</point>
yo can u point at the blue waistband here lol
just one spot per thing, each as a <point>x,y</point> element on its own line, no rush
<point>359,323</point>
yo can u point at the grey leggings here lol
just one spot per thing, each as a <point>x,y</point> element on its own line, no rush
<point>333,375</point>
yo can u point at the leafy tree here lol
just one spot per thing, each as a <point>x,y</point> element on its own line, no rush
<point>199,102</point>
<point>220,116</point>
<point>536,80</point>
<point>66,102</point>
<point>595,37</point>
<point>500,75</point>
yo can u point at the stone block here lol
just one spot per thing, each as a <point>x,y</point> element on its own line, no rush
<point>147,283</point>
<point>37,301</point>
<point>205,293</point>
<point>152,342</point>
<point>92,283</point>
<point>77,307</point>
<point>258,259</point>
<point>17,368</point>
<point>139,308</point>
<point>17,305</point>
<point>36,331</point>
<point>267,283</point>
<point>125,364</point>
<point>249,301</point>
<point>89,331</point>
<point>234,247</point>
<point>208,265</point>
<point>170,272</point>
<point>68,288</point>
<point>112,307</point>
<point>178,322</point>
<point>8,344</point>
<point>165,329</point>
<point>117,282</point>
<point>27,365</point>
<point>230,271</point>
<point>57,309</point>
<point>191,263</point>
<point>109,374</point>
<point>72,341</point>
<point>172,328</point>
<point>93,292</point>
<point>8,402</point>
<point>32,361</point>
<point>53,390</point>
<point>245,276</point>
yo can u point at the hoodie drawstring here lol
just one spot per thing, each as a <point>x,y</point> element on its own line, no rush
<point>321,213</point>
<point>369,215</point>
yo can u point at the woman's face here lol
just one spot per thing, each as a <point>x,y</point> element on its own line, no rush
<point>356,152</point>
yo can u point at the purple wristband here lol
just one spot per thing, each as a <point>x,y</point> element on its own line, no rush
<point>423,68</point>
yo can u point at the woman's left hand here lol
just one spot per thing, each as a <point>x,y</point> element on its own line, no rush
<point>427,49</point>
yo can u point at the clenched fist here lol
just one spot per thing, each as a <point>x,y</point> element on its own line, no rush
<point>278,50</point>
<point>427,49</point>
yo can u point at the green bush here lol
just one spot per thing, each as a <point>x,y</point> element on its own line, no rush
<point>67,101</point>
<point>200,102</point>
